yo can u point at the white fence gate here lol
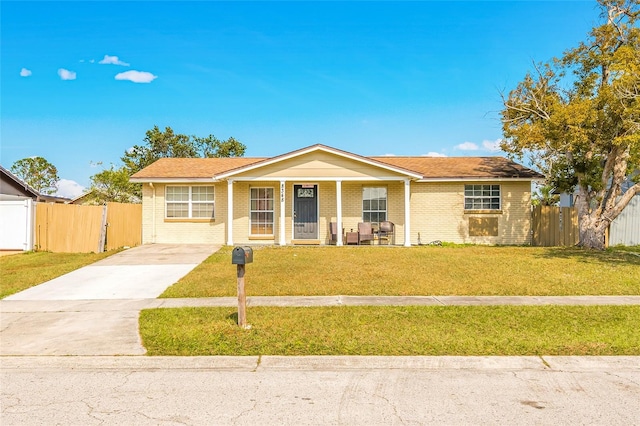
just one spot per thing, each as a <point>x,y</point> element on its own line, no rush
<point>16,224</point>
<point>625,229</point>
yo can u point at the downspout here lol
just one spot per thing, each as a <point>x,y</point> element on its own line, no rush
<point>229,212</point>
<point>153,213</point>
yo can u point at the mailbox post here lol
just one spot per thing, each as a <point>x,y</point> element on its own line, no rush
<point>240,257</point>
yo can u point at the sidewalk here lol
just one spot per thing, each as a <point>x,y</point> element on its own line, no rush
<point>25,306</point>
<point>110,326</point>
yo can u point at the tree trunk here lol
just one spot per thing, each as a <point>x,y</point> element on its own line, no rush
<point>592,237</point>
<point>591,227</point>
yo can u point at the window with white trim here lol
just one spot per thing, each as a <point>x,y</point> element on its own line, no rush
<point>189,202</point>
<point>482,197</point>
<point>374,204</point>
<point>261,211</point>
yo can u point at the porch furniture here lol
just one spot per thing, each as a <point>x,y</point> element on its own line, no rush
<point>386,232</point>
<point>352,237</point>
<point>333,233</point>
<point>365,233</point>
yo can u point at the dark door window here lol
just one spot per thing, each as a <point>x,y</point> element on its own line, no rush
<point>305,212</point>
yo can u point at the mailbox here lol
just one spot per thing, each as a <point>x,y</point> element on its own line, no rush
<point>241,256</point>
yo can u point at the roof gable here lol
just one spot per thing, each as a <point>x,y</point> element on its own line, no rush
<point>319,161</point>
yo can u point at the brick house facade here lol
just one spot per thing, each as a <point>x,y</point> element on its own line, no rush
<point>292,198</point>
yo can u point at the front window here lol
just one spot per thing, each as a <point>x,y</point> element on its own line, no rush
<point>374,204</point>
<point>189,202</point>
<point>482,197</point>
<point>261,213</point>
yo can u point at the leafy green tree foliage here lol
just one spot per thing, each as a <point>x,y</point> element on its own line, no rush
<point>167,144</point>
<point>38,173</point>
<point>545,197</point>
<point>211,147</point>
<point>577,118</point>
<point>112,185</point>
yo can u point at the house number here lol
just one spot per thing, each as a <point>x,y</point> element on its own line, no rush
<point>282,192</point>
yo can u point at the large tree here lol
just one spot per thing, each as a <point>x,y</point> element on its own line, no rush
<point>159,144</point>
<point>38,173</point>
<point>167,144</point>
<point>577,118</point>
<point>112,185</point>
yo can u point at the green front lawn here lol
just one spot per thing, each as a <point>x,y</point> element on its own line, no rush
<point>407,330</point>
<point>455,270</point>
<point>24,270</point>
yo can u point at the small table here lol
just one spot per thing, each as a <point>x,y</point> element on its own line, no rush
<point>352,238</point>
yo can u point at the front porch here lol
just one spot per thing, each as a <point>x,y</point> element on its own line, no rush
<point>301,212</point>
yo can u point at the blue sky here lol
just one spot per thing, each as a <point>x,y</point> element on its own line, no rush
<point>81,82</point>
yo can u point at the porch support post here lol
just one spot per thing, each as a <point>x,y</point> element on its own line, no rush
<point>283,240</point>
<point>339,211</point>
<point>229,212</point>
<point>407,213</point>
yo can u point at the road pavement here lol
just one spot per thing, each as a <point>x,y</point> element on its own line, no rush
<point>271,390</point>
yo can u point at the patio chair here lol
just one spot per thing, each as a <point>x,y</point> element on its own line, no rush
<point>386,232</point>
<point>333,233</point>
<point>365,232</point>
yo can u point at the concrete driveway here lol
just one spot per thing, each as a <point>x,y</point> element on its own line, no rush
<point>42,321</point>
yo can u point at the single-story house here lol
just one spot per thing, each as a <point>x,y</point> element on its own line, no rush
<point>293,198</point>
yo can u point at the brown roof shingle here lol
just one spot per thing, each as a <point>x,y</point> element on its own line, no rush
<point>197,168</point>
<point>428,167</point>
<point>461,167</point>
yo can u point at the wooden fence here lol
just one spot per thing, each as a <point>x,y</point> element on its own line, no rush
<point>124,225</point>
<point>554,226</point>
<point>71,228</point>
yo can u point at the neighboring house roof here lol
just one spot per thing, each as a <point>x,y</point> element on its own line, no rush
<point>419,168</point>
<point>12,185</point>
<point>81,199</point>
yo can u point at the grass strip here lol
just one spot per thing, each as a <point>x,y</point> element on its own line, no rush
<point>456,270</point>
<point>25,270</point>
<point>413,330</point>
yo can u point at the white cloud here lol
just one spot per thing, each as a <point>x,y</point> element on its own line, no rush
<point>467,146</point>
<point>492,145</point>
<point>69,189</point>
<point>434,154</point>
<point>25,72</point>
<point>66,74</point>
<point>113,60</point>
<point>136,76</point>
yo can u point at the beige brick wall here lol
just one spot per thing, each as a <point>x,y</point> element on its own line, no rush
<point>153,213</point>
<point>437,211</point>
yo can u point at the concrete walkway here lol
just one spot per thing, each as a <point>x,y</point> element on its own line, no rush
<point>110,327</point>
<point>138,273</point>
<point>90,311</point>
